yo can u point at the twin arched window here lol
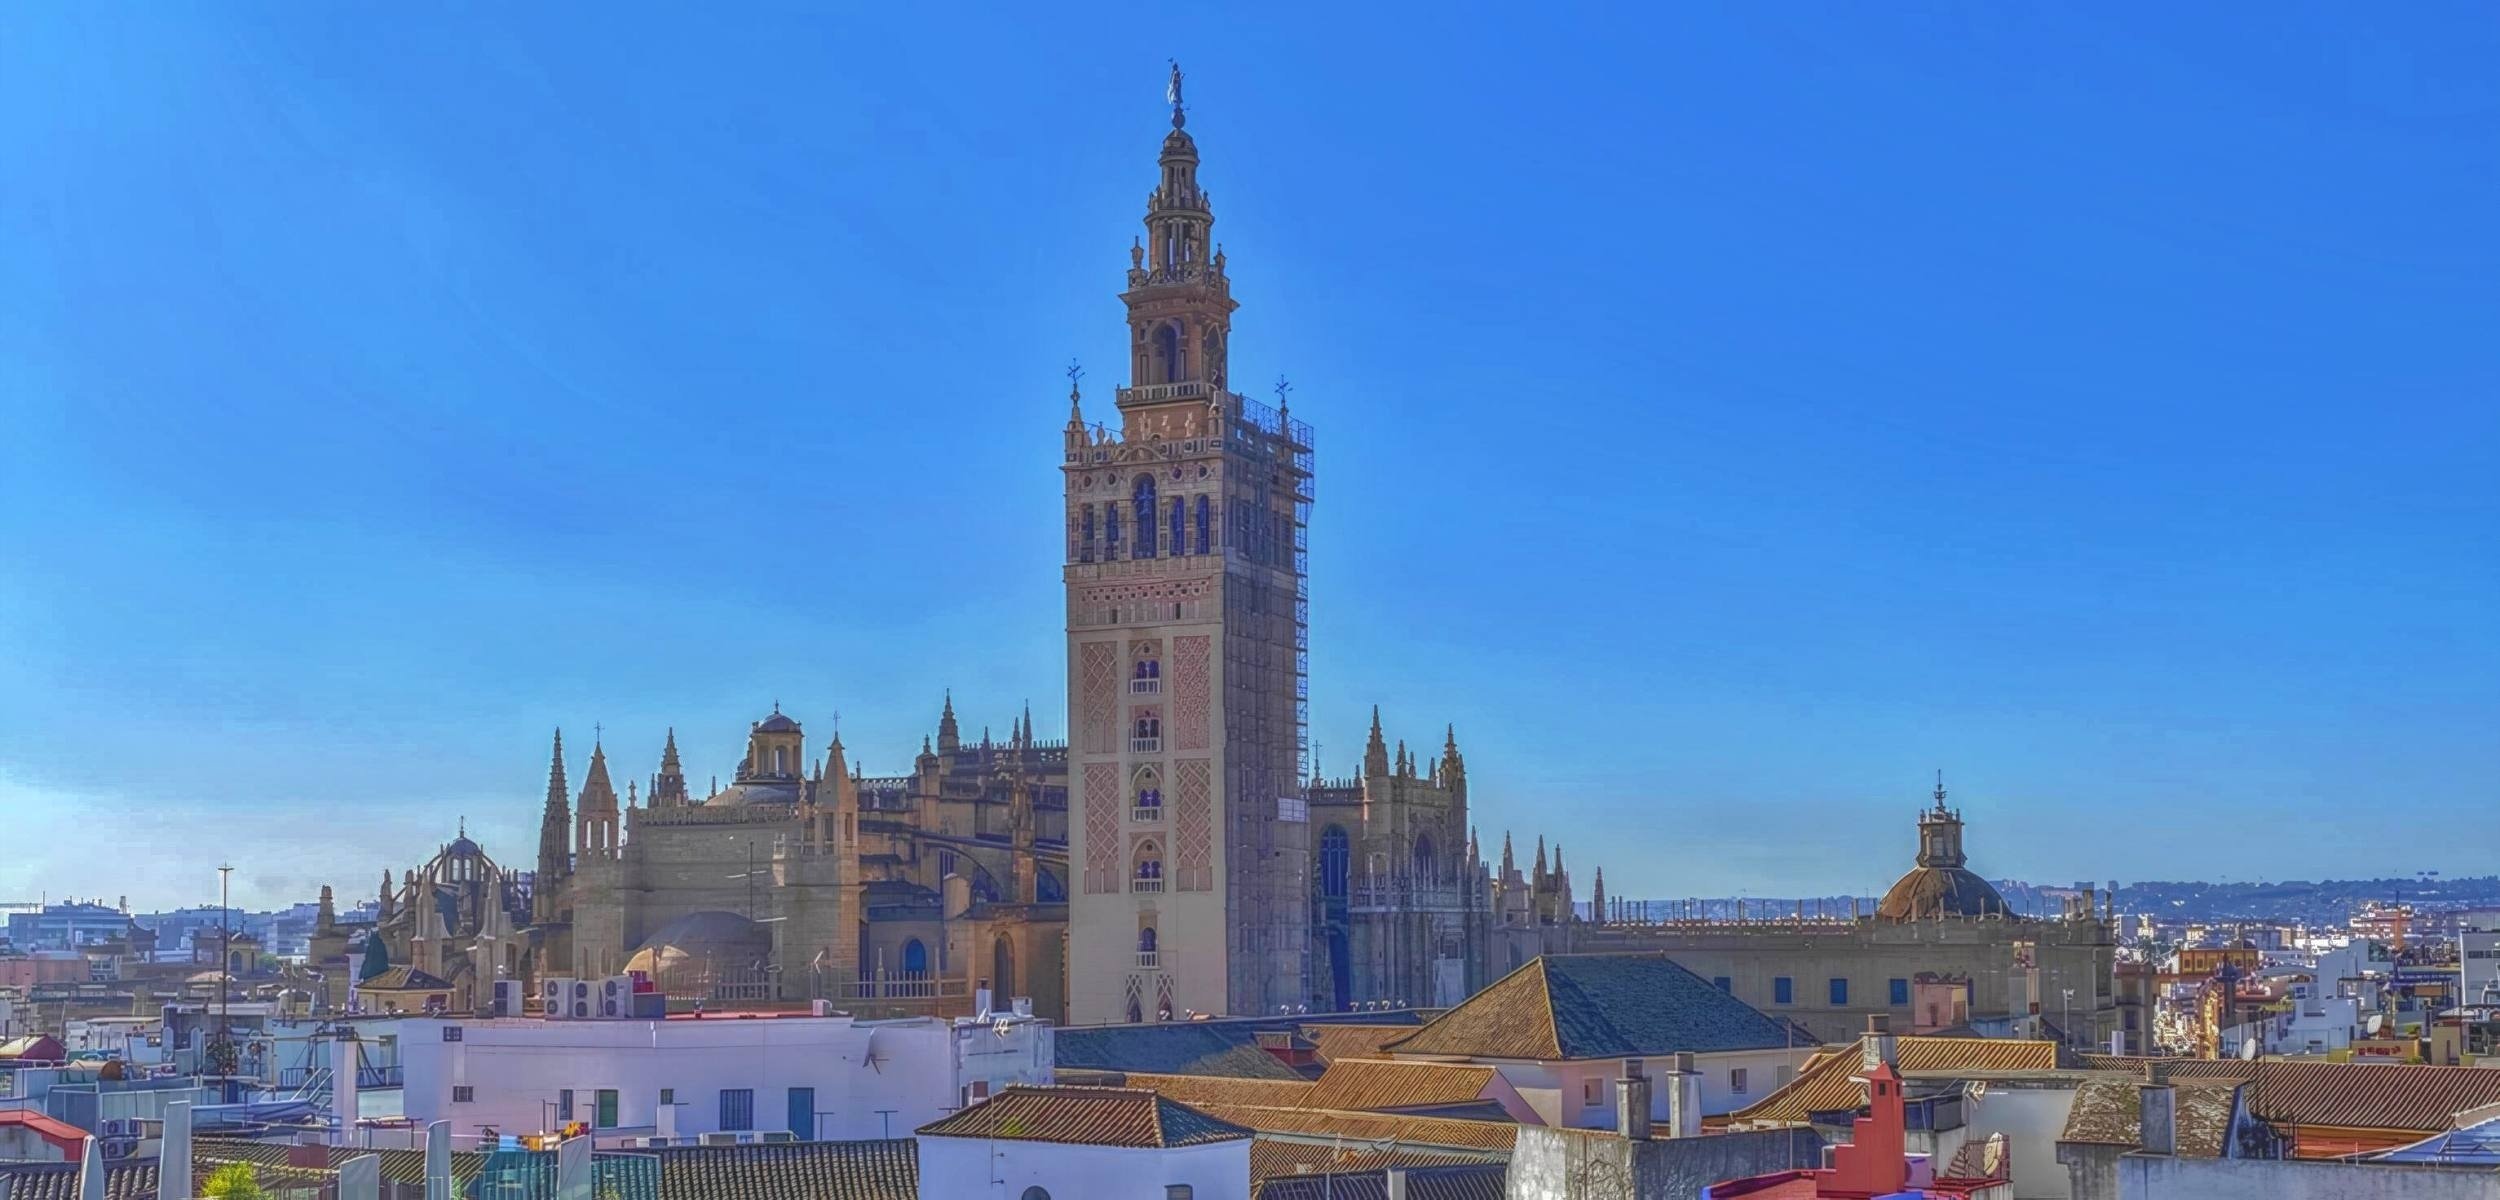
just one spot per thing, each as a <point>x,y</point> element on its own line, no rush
<point>1145,499</point>
<point>1149,788</point>
<point>1149,865</point>
<point>1180,527</point>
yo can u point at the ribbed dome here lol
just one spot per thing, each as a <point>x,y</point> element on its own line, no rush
<point>1929,892</point>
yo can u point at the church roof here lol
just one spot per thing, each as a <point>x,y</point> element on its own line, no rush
<point>405,978</point>
<point>1581,1006</point>
<point>1939,891</point>
<point>1086,1116</point>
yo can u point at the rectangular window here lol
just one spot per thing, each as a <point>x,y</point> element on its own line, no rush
<point>1900,993</point>
<point>451,1033</point>
<point>463,1094</point>
<point>1723,983</point>
<point>604,1117</point>
<point>802,1112</point>
<point>668,1095</point>
<point>737,1109</point>
<point>1736,1080</point>
<point>1588,1091</point>
<point>1783,991</point>
<point>564,1105</point>
<point>1840,993</point>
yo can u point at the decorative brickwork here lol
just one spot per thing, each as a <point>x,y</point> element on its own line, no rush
<point>1099,682</point>
<point>1192,690</point>
<point>1194,830</point>
<point>1102,801</point>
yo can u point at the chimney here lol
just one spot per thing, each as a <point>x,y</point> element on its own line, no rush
<point>173,1159</point>
<point>1683,1097</point>
<point>981,1004</point>
<point>1879,1047</point>
<point>438,1159</point>
<point>2157,1108</point>
<point>1396,1179</point>
<point>1632,1102</point>
<point>343,1058</point>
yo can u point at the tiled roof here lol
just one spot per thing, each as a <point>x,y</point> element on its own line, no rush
<point>59,1180</point>
<point>2343,1095</point>
<point>875,1169</point>
<point>398,1166</point>
<point>1582,1006</point>
<point>1828,1081</point>
<point>2107,1112</point>
<point>405,978</point>
<point>1372,1127</point>
<point>1221,1089</point>
<point>1171,1048</point>
<point>1089,1116</point>
<point>1361,1085</point>
<point>1353,1041</point>
<point>1271,1157</point>
<point>1482,1182</point>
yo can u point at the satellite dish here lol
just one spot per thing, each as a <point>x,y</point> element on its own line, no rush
<point>2376,1022</point>
<point>2248,1050</point>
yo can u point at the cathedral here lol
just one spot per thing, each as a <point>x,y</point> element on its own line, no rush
<point>1178,855</point>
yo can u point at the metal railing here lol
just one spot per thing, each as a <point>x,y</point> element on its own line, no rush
<point>1145,745</point>
<point>1145,687</point>
<point>1146,812</point>
<point>1145,885</point>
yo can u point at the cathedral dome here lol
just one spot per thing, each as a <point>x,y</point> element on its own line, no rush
<point>777,723</point>
<point>688,952</point>
<point>1929,892</point>
<point>750,792</point>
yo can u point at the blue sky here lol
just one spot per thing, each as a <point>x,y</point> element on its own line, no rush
<point>1728,414</point>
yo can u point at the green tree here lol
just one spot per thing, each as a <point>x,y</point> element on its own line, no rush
<point>234,1181</point>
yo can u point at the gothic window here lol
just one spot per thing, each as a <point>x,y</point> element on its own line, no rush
<point>1202,526</point>
<point>1146,940</point>
<point>1180,527</point>
<point>1335,859</point>
<point>1145,498</point>
<point>1425,863</point>
<point>1146,874</point>
<point>1149,788</point>
<point>1085,552</point>
<point>1110,532</point>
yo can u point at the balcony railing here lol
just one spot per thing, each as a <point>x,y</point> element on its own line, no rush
<point>1145,745</point>
<point>1147,813</point>
<point>1145,885</point>
<point>1145,687</point>
<point>1147,960</point>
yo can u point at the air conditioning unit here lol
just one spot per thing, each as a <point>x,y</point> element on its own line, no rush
<point>583,1006</point>
<point>508,1001</point>
<point>720,1139</point>
<point>616,996</point>
<point>779,1135</point>
<point>555,999</point>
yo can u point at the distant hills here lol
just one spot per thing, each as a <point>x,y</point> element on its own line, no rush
<point>2321,902</point>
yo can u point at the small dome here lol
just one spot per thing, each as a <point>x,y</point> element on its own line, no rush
<point>777,723</point>
<point>684,955</point>
<point>752,792</point>
<point>1928,892</point>
<point>462,847</point>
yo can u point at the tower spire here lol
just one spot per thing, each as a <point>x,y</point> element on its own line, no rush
<point>948,737</point>
<point>555,859</point>
<point>668,788</point>
<point>1376,751</point>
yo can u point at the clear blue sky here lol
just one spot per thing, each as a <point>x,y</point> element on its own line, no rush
<point>1728,413</point>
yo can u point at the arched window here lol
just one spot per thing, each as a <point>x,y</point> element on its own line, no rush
<point>1336,858</point>
<point>1168,352</point>
<point>1203,539</point>
<point>1035,1192</point>
<point>1146,874</point>
<point>1003,967</point>
<point>1425,864</point>
<point>915,958</point>
<point>1180,527</point>
<point>1148,784</point>
<point>1085,547</point>
<point>1110,532</point>
<point>1145,503</point>
<point>1146,940</point>
<point>1210,353</point>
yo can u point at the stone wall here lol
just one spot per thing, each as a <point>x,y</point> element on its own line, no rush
<point>2156,1177</point>
<point>1570,1164</point>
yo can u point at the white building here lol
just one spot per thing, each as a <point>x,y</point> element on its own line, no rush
<point>2478,954</point>
<point>749,1076</point>
<point>1083,1143</point>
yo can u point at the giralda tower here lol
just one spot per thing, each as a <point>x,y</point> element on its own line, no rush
<point>1186,653</point>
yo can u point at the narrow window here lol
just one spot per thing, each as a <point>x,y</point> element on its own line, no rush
<point>1840,993</point>
<point>1782,990</point>
<point>1736,1080</point>
<point>1085,547</point>
<point>1180,527</point>
<point>1110,532</point>
<point>1202,525</point>
<point>1723,983</point>
<point>1144,497</point>
<point>737,1109</point>
<point>1900,993</point>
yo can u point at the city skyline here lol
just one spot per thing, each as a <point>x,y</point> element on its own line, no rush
<point>378,429</point>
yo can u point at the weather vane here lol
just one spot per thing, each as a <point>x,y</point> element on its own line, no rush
<point>1075,373</point>
<point>1173,93</point>
<point>1282,387</point>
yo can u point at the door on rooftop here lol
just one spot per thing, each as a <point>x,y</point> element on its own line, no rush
<point>803,1113</point>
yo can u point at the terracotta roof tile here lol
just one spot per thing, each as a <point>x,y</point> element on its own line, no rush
<point>1221,1089</point>
<point>876,1169</point>
<point>1090,1116</point>
<point>1353,1041</point>
<point>2342,1095</point>
<point>1271,1157</point>
<point>1170,1048</point>
<point>1362,1085</point>
<point>1584,1006</point>
<point>1827,1082</point>
<point>59,1180</point>
<point>1479,1182</point>
<point>1372,1127</point>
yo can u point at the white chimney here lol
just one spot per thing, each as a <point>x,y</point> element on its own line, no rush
<point>1632,1102</point>
<point>981,1004</point>
<point>1683,1097</point>
<point>343,1084</point>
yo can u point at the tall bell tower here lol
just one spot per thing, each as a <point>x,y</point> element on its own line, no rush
<point>1187,616</point>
